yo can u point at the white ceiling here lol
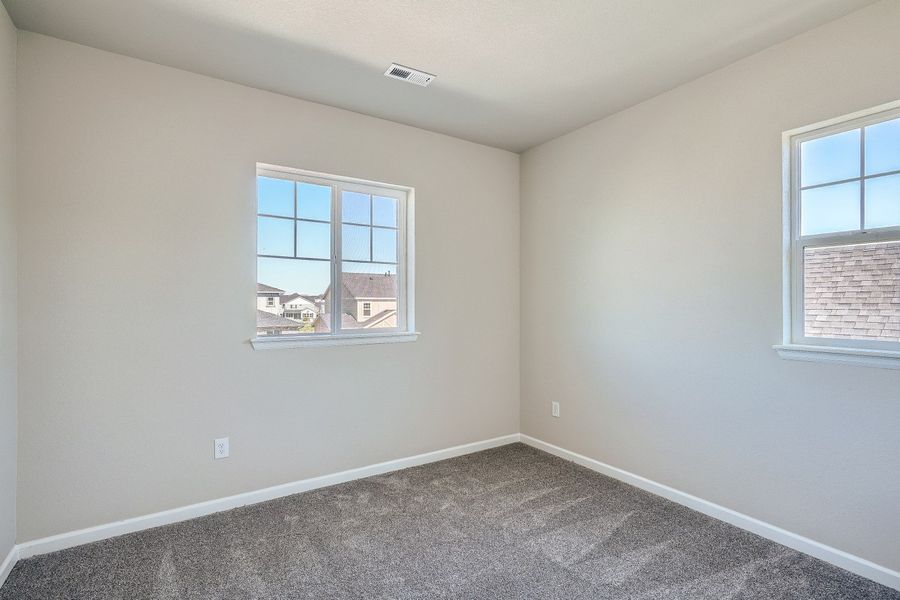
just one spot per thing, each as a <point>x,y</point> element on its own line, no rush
<point>511,73</point>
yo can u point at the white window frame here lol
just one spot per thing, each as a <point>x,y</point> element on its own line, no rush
<point>795,344</point>
<point>405,196</point>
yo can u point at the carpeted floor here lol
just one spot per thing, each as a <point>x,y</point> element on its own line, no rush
<point>508,523</point>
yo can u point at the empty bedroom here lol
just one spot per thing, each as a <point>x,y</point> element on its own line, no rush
<point>476,300</point>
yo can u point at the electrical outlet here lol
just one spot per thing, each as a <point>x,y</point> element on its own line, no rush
<point>221,448</point>
<point>554,409</point>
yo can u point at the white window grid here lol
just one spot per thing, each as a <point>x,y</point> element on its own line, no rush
<point>795,243</point>
<point>404,265</point>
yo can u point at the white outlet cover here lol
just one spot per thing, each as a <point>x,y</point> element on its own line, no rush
<point>220,448</point>
<point>554,409</point>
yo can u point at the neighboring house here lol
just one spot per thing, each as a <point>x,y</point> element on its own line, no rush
<point>299,307</point>
<point>270,324</point>
<point>368,301</point>
<point>268,299</point>
<point>279,313</point>
<point>853,292</point>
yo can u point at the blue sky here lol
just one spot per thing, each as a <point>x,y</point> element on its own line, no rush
<point>360,241</point>
<point>837,157</point>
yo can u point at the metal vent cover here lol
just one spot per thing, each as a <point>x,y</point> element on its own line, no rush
<point>415,76</point>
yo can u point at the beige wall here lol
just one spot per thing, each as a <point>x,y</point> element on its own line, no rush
<point>137,182</point>
<point>656,232</point>
<point>659,229</point>
<point>8,329</point>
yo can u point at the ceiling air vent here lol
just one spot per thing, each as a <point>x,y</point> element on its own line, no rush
<point>411,75</point>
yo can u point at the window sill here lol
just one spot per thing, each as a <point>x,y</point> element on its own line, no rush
<point>883,359</point>
<point>276,342</point>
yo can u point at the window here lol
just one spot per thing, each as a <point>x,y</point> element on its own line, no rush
<point>270,301</point>
<point>330,241</point>
<point>842,240</point>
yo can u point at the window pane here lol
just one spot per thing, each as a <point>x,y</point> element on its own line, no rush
<point>883,201</point>
<point>831,158</point>
<point>374,285</point>
<point>384,245</point>
<point>290,296</point>
<point>883,147</point>
<point>853,292</point>
<point>830,208</point>
<point>275,196</point>
<point>385,211</point>
<point>313,239</point>
<point>314,202</point>
<point>355,208</point>
<point>275,236</point>
<point>355,242</point>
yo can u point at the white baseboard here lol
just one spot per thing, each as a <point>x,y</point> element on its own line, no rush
<point>8,563</point>
<point>101,532</point>
<point>844,560</point>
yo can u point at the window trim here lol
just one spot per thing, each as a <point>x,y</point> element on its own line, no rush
<point>795,344</point>
<point>405,330</point>
<point>277,342</point>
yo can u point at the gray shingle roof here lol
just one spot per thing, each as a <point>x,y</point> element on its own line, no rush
<point>323,323</point>
<point>364,285</point>
<point>853,291</point>
<point>267,289</point>
<point>267,320</point>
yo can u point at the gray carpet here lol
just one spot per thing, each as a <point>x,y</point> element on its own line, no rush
<point>512,522</point>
